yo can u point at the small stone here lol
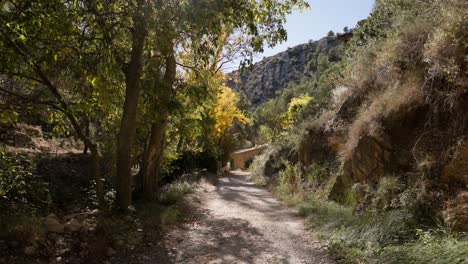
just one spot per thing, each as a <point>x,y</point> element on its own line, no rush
<point>59,259</point>
<point>52,224</point>
<point>29,251</point>
<point>110,252</point>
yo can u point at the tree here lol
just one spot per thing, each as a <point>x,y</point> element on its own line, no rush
<point>51,59</point>
<point>205,37</point>
<point>97,59</point>
<point>133,71</point>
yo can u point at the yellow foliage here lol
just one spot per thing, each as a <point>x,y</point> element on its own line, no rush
<point>295,107</point>
<point>226,110</point>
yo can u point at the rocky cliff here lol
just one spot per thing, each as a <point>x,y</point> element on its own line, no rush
<point>273,74</point>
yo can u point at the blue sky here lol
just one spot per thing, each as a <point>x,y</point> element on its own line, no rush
<point>323,16</point>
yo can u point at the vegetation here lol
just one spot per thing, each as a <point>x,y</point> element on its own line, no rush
<point>78,66</point>
<point>367,136</point>
<point>359,159</point>
<point>136,84</point>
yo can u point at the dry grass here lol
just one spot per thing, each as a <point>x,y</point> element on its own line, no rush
<point>380,107</point>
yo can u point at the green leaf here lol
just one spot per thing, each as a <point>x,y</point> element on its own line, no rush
<point>23,38</point>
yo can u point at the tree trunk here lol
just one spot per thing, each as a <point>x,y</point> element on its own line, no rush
<point>87,133</point>
<point>154,151</point>
<point>97,176</point>
<point>153,156</point>
<point>128,123</point>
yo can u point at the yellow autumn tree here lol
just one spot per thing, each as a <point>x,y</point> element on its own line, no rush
<point>226,111</point>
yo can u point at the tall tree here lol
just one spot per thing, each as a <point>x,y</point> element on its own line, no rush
<point>202,27</point>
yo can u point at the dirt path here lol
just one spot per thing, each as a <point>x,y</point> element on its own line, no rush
<point>242,223</point>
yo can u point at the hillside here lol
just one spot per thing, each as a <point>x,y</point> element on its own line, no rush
<point>374,148</point>
<point>267,78</point>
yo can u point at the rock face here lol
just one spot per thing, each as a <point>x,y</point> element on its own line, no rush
<point>367,164</point>
<point>274,73</point>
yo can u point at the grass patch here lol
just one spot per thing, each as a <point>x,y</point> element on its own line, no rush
<point>386,237</point>
<point>174,193</point>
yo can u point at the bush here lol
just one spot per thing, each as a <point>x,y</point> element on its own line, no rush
<point>20,187</point>
<point>173,193</point>
<point>290,189</point>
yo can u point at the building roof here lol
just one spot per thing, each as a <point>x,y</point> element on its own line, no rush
<point>240,151</point>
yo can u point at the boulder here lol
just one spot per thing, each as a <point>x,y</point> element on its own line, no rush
<point>73,225</point>
<point>52,224</point>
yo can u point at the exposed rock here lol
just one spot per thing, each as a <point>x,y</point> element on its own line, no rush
<point>456,172</point>
<point>73,225</point>
<point>275,73</point>
<point>367,164</point>
<point>52,224</point>
<point>349,108</point>
<point>456,212</point>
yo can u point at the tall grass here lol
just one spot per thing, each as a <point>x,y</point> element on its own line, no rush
<point>385,237</point>
<point>390,231</point>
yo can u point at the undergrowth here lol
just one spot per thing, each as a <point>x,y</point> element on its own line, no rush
<point>389,231</point>
<point>381,237</point>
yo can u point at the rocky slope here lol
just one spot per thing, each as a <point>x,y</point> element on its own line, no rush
<point>273,74</point>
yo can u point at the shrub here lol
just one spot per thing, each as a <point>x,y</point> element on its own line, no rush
<point>317,175</point>
<point>386,195</point>
<point>174,192</point>
<point>20,187</point>
<point>290,188</point>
